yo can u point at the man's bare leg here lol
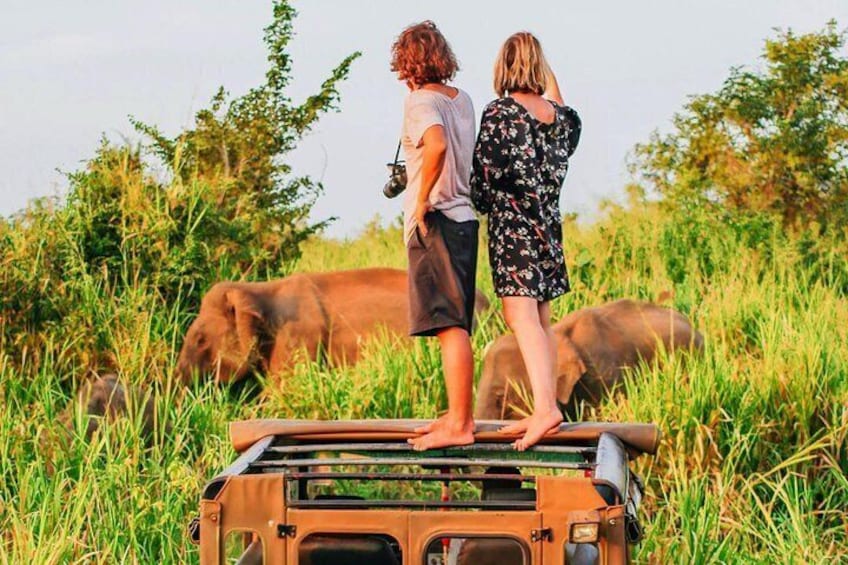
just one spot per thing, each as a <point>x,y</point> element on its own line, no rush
<point>525,317</point>
<point>457,426</point>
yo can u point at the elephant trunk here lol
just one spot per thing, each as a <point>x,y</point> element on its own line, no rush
<point>486,405</point>
<point>183,372</point>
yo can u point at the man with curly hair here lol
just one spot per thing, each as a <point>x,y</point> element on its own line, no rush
<point>440,227</point>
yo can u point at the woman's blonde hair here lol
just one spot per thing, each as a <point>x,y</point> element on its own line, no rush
<point>521,66</point>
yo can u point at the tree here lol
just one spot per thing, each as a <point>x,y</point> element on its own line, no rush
<point>771,140</point>
<point>230,209</point>
<point>242,141</point>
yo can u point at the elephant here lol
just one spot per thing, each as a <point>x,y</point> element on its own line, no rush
<point>595,346</point>
<point>106,398</point>
<point>242,326</point>
<point>100,399</point>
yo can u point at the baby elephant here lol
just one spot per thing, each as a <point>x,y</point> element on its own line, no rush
<point>594,347</point>
<point>106,398</point>
<point>100,400</point>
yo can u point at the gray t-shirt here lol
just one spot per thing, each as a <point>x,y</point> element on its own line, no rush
<point>452,193</point>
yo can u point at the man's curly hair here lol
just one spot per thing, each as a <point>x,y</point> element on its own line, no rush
<point>422,55</point>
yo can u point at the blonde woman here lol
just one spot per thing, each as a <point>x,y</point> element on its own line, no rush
<point>526,138</point>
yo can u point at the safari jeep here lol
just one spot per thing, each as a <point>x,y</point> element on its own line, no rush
<point>353,492</point>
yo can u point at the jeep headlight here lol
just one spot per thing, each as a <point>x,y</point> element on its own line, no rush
<point>586,532</point>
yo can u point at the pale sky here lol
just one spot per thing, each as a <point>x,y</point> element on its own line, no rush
<point>71,71</point>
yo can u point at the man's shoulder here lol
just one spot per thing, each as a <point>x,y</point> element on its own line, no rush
<point>420,96</point>
<point>465,97</point>
<point>433,97</point>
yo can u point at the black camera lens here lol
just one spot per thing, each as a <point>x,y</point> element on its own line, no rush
<point>397,181</point>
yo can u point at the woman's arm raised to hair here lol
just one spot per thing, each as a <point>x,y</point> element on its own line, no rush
<point>552,91</point>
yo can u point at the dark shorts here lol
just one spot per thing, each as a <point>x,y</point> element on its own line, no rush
<point>442,272</point>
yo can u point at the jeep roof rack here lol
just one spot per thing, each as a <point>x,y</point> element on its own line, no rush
<point>376,450</point>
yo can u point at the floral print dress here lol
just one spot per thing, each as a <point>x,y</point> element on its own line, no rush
<point>518,170</point>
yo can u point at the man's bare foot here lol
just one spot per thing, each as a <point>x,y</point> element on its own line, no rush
<point>444,433</point>
<point>517,427</point>
<point>537,427</point>
<point>429,427</point>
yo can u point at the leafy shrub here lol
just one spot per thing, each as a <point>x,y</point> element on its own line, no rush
<point>225,206</point>
<point>771,140</point>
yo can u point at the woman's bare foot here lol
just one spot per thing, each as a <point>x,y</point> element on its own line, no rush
<point>444,432</point>
<point>537,427</point>
<point>517,427</point>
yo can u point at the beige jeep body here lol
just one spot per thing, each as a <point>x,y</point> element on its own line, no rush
<point>353,492</point>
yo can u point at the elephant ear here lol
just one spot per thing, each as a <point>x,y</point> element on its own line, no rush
<point>242,307</point>
<point>570,368</point>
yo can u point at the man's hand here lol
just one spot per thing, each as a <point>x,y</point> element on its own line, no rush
<point>421,210</point>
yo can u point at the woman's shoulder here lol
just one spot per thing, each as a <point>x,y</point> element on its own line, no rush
<point>503,103</point>
<point>566,112</point>
<point>500,107</point>
<point>569,125</point>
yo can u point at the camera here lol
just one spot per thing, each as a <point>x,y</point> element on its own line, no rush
<point>397,179</point>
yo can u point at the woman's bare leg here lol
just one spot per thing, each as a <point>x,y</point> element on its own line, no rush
<point>545,320</point>
<point>530,322</point>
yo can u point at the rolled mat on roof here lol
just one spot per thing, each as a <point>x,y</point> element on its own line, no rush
<point>639,438</point>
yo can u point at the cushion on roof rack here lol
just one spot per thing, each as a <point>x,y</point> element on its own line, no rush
<point>638,438</point>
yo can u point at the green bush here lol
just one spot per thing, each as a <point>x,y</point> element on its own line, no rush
<point>772,140</point>
<point>220,204</point>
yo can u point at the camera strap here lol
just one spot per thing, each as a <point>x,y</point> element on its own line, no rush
<point>397,154</point>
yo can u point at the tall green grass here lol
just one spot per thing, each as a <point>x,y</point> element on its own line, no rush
<point>751,469</point>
